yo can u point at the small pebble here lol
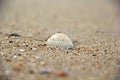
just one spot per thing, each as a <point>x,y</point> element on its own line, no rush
<point>42,63</point>
<point>21,50</point>
<point>17,68</point>
<point>94,55</point>
<point>45,71</point>
<point>10,41</point>
<point>37,57</point>
<point>62,74</point>
<point>15,34</point>
<point>34,49</point>
<point>31,71</point>
<point>20,65</point>
<point>14,56</point>
<point>43,44</point>
<point>21,59</point>
<point>19,54</point>
<point>26,45</point>
<point>8,60</point>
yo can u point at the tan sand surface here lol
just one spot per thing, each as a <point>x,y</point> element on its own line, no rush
<point>92,25</point>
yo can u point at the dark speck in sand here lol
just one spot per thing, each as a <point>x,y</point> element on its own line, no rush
<point>31,71</point>
<point>94,55</point>
<point>10,41</point>
<point>19,54</point>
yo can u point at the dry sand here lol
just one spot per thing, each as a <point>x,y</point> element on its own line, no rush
<point>92,25</point>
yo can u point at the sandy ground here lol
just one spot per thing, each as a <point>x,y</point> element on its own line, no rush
<point>92,25</point>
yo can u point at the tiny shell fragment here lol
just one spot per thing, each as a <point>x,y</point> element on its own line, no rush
<point>59,40</point>
<point>21,50</point>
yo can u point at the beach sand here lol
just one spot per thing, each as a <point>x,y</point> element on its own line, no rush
<point>92,25</point>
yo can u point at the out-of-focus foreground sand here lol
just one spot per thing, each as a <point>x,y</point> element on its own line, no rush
<point>92,25</point>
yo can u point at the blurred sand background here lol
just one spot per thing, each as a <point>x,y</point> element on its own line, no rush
<point>93,26</point>
<point>75,18</point>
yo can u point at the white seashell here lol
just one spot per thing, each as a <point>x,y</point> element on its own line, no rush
<point>59,40</point>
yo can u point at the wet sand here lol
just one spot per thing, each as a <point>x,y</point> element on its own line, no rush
<point>91,25</point>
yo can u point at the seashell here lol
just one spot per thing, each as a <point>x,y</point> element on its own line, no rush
<point>59,40</point>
